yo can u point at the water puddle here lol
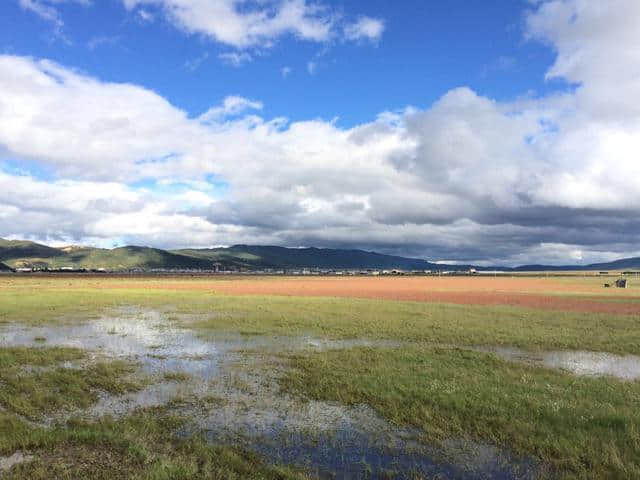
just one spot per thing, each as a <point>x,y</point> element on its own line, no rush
<point>624,367</point>
<point>331,440</point>
<point>228,385</point>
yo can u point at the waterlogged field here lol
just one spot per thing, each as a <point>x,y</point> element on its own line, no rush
<point>410,377</point>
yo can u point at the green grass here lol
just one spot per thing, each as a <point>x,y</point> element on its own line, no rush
<point>42,357</point>
<point>583,427</point>
<point>142,446</point>
<point>423,322</point>
<point>176,376</point>
<point>35,392</point>
<point>340,317</point>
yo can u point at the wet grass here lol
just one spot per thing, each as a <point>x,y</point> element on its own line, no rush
<point>48,302</point>
<point>424,322</point>
<point>176,376</point>
<point>583,427</point>
<point>37,392</point>
<point>19,356</point>
<point>144,445</point>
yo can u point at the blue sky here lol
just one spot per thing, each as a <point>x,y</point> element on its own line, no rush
<point>448,130</point>
<point>427,48</point>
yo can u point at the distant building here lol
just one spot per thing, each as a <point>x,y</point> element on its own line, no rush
<point>621,283</point>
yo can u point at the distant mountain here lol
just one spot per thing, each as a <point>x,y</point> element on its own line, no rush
<point>281,257</point>
<point>19,253</point>
<point>622,264</point>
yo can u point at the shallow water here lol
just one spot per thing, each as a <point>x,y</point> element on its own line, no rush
<point>624,367</point>
<point>232,394</point>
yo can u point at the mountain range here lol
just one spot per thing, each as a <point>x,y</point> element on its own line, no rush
<point>26,254</point>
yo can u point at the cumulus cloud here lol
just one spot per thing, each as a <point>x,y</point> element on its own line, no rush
<point>469,178</point>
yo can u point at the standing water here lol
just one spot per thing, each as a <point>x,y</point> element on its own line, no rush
<point>228,386</point>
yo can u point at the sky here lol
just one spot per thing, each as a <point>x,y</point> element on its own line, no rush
<point>497,132</point>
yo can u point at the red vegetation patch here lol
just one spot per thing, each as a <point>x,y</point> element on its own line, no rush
<point>537,293</point>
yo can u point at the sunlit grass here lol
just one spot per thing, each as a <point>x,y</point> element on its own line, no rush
<point>142,446</point>
<point>335,317</point>
<point>37,392</point>
<point>583,427</point>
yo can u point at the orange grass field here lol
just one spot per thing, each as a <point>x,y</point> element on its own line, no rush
<point>573,293</point>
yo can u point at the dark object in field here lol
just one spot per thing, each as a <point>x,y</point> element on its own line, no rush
<point>607,285</point>
<point>621,283</point>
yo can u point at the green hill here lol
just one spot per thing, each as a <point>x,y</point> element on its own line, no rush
<point>32,255</point>
<point>16,249</point>
<point>127,258</point>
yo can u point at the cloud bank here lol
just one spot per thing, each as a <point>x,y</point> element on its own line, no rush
<point>546,179</point>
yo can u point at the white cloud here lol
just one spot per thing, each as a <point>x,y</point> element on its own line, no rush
<point>365,28</point>
<point>232,105</point>
<point>468,178</point>
<point>246,24</point>
<point>259,23</point>
<point>285,71</point>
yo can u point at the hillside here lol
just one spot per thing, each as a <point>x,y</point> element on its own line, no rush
<point>19,254</point>
<point>16,249</point>
<point>4,268</point>
<point>280,257</point>
<point>127,258</point>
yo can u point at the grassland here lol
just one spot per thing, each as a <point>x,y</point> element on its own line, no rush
<point>142,446</point>
<point>583,427</point>
<point>34,392</point>
<point>46,301</point>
